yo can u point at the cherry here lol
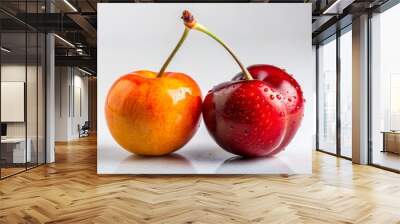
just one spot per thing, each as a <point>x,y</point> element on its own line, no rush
<point>154,113</point>
<point>256,114</point>
<point>289,90</point>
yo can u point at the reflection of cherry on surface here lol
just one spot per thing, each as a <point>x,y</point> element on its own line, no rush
<point>264,165</point>
<point>169,164</point>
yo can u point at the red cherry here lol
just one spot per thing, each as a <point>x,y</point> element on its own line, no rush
<point>244,119</point>
<point>251,117</point>
<point>290,90</point>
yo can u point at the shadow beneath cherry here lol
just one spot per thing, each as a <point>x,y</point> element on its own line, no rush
<point>206,153</point>
<point>168,164</point>
<point>264,165</point>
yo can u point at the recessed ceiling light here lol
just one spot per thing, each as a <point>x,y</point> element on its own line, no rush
<point>84,71</point>
<point>70,5</point>
<point>64,40</point>
<point>337,7</point>
<point>5,50</point>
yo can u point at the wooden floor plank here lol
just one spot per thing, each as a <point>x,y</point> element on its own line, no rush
<point>70,191</point>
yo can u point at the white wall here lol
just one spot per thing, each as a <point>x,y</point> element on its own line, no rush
<point>80,89</point>
<point>61,103</point>
<point>70,83</point>
<point>33,127</point>
<point>16,72</point>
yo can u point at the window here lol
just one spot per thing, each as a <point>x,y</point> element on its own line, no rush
<point>385,89</point>
<point>327,97</point>
<point>22,77</point>
<point>346,93</point>
<point>335,94</point>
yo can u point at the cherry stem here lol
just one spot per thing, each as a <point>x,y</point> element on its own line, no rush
<point>171,56</point>
<point>192,24</point>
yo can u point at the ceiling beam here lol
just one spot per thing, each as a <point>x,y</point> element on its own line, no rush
<point>86,27</point>
<point>81,61</point>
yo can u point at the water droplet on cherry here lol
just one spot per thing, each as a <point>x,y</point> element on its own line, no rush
<point>265,89</point>
<point>271,97</point>
<point>289,99</point>
<point>278,97</point>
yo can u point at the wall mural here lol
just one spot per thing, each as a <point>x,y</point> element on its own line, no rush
<point>255,84</point>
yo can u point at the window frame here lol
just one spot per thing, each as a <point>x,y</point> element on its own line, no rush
<point>334,37</point>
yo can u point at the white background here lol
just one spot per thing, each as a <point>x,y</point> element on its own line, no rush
<point>140,36</point>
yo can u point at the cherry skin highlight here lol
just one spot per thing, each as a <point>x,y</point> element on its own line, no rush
<point>290,90</point>
<point>245,117</point>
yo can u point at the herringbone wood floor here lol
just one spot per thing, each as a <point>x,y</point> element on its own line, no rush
<point>70,191</point>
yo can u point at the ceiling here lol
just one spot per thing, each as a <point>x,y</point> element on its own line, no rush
<point>75,22</point>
